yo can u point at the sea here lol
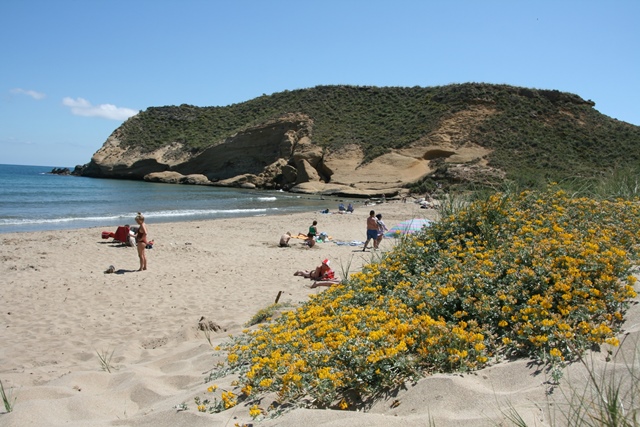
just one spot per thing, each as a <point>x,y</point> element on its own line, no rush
<point>33,199</point>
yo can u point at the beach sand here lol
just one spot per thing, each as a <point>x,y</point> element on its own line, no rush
<point>59,310</point>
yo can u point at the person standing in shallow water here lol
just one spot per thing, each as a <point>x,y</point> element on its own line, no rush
<point>372,229</point>
<point>141,241</point>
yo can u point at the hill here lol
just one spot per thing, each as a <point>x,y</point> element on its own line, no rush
<point>361,140</point>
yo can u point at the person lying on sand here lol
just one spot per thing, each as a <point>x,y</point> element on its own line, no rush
<point>321,272</point>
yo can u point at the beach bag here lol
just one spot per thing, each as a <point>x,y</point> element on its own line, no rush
<point>329,275</point>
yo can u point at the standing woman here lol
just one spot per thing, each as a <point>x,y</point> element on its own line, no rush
<point>141,241</point>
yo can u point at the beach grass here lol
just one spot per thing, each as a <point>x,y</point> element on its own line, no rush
<point>266,314</point>
<point>609,398</point>
<point>8,397</point>
<point>104,357</point>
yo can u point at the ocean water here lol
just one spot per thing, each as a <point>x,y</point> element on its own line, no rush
<point>32,199</point>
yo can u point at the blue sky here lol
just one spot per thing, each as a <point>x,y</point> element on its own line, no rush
<point>73,71</point>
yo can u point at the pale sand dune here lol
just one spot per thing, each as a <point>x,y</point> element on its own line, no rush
<point>58,309</point>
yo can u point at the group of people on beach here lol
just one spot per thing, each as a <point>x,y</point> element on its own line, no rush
<point>323,275</point>
<point>309,240</point>
<point>375,232</point>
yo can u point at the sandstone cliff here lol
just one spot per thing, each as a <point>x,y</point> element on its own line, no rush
<point>459,133</point>
<point>281,155</point>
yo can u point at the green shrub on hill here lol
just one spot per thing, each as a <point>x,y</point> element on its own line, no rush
<point>536,135</point>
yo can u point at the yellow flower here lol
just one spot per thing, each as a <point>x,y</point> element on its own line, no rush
<point>554,352</point>
<point>266,382</point>
<point>613,341</point>
<point>212,388</point>
<point>246,390</point>
<point>255,411</point>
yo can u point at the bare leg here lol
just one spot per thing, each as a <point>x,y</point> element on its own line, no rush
<point>302,273</point>
<point>327,283</point>
<point>142,255</point>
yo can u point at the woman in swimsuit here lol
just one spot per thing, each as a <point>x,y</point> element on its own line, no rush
<point>141,241</point>
<point>311,235</point>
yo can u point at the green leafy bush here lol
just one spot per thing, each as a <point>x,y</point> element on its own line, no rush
<point>529,274</point>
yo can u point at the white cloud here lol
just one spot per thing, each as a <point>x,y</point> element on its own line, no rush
<point>82,107</point>
<point>31,93</point>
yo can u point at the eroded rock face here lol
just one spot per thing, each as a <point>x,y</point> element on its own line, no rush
<point>281,155</point>
<point>177,178</point>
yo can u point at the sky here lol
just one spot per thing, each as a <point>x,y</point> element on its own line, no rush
<point>71,72</point>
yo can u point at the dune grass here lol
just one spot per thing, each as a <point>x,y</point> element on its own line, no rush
<point>609,398</point>
<point>8,397</point>
<point>104,357</point>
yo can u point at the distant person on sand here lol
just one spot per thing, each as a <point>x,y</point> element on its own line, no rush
<point>321,272</point>
<point>141,241</point>
<point>382,228</point>
<point>372,229</point>
<point>311,235</point>
<point>284,240</point>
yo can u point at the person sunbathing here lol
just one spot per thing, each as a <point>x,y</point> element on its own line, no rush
<point>321,272</point>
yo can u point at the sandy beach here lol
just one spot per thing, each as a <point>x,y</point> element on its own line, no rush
<point>59,310</point>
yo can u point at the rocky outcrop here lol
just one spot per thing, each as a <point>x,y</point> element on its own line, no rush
<point>60,171</point>
<point>281,154</point>
<point>177,178</point>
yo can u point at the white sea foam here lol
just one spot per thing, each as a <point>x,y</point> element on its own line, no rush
<point>148,215</point>
<point>200,212</point>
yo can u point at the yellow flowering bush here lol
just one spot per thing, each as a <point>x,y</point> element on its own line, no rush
<point>535,274</point>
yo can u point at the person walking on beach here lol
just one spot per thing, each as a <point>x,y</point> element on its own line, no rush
<point>141,241</point>
<point>382,228</point>
<point>372,229</point>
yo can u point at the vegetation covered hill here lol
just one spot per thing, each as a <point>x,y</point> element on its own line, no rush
<point>535,135</point>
